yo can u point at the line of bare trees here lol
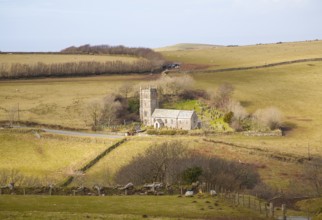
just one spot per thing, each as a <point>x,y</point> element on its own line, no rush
<point>107,49</point>
<point>112,110</point>
<point>83,68</point>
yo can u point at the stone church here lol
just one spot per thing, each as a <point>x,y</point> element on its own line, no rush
<point>152,115</point>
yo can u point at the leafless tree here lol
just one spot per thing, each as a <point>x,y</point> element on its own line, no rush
<point>4,178</point>
<point>174,85</point>
<point>155,165</point>
<point>271,118</point>
<point>31,181</point>
<point>239,114</point>
<point>223,96</point>
<point>12,115</point>
<point>166,163</point>
<point>93,114</point>
<point>110,108</point>
<point>313,173</point>
<point>125,89</point>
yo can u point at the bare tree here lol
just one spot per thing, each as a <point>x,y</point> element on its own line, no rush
<point>271,118</point>
<point>222,97</point>
<point>31,181</point>
<point>12,115</point>
<point>110,109</point>
<point>167,162</point>
<point>126,89</point>
<point>4,178</point>
<point>94,112</point>
<point>239,114</point>
<point>157,164</point>
<point>313,173</point>
<point>174,85</point>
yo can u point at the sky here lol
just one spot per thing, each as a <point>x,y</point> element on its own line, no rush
<point>51,25</point>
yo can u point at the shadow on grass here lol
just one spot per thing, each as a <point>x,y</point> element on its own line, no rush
<point>288,128</point>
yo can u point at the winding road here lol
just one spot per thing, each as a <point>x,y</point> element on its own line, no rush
<point>75,133</point>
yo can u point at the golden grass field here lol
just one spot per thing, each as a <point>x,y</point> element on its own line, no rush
<point>294,89</point>
<point>51,158</point>
<point>60,58</point>
<point>60,101</point>
<point>120,207</point>
<point>243,56</point>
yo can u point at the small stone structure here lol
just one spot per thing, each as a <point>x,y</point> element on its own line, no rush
<point>151,115</point>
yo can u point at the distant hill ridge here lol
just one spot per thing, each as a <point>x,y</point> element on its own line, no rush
<point>187,46</point>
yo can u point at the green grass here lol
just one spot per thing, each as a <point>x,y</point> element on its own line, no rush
<point>214,117</point>
<point>50,158</point>
<point>313,206</point>
<point>130,207</point>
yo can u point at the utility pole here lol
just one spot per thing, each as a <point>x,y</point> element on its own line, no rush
<point>18,114</point>
<point>308,151</point>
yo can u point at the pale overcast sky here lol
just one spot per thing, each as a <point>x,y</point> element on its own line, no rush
<point>51,25</point>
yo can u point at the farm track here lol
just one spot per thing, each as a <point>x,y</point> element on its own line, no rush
<point>257,67</point>
<point>73,133</point>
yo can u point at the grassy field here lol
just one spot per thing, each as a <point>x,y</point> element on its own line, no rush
<point>60,101</point>
<point>294,89</point>
<point>60,58</point>
<point>253,55</point>
<point>312,206</point>
<point>51,158</point>
<point>119,207</point>
<point>103,172</point>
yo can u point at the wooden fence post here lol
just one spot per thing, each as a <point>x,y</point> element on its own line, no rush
<point>237,198</point>
<point>271,210</point>
<point>266,211</point>
<point>284,211</point>
<point>248,201</point>
<point>24,191</point>
<point>308,213</point>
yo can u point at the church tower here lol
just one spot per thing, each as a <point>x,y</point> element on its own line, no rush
<point>148,103</point>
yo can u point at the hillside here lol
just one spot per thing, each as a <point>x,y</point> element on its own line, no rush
<point>244,56</point>
<point>186,46</point>
<point>294,89</point>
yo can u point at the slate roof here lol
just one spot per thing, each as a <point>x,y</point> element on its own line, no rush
<point>172,113</point>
